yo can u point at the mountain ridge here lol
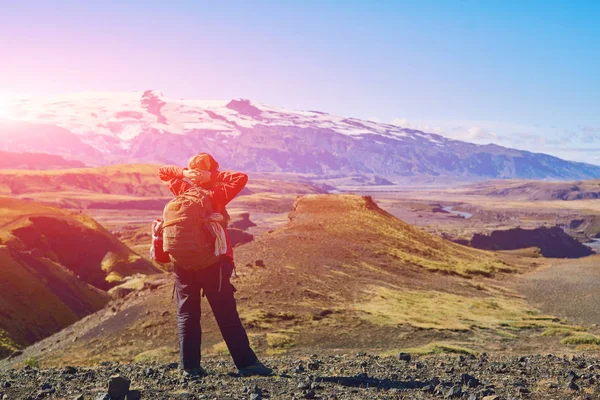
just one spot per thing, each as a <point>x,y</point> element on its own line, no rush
<point>147,127</point>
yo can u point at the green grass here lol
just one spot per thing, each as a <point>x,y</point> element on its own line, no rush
<point>445,311</point>
<point>588,347</point>
<point>560,331</point>
<point>581,338</point>
<point>434,348</point>
<point>32,362</point>
<point>264,320</point>
<point>159,355</point>
<point>279,340</point>
<point>7,346</point>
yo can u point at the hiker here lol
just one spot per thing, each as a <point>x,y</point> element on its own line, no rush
<point>193,275</point>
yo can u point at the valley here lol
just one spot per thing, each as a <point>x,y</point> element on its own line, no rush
<point>359,270</point>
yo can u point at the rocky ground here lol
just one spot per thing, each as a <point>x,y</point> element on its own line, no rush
<point>359,376</point>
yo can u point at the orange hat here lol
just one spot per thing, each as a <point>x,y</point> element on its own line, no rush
<point>203,162</point>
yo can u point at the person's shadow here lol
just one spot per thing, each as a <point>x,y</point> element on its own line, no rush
<point>366,382</point>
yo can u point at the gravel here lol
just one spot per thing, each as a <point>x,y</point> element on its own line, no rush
<point>359,376</point>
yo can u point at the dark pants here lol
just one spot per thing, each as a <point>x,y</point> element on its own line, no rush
<point>188,284</point>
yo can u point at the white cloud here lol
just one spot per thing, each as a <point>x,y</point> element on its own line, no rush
<point>573,143</point>
<point>420,126</point>
<point>475,134</point>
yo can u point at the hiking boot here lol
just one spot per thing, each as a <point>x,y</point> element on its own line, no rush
<point>257,368</point>
<point>194,373</point>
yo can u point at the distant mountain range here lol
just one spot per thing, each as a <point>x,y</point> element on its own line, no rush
<point>146,127</point>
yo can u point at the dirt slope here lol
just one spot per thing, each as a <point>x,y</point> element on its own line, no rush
<point>568,289</point>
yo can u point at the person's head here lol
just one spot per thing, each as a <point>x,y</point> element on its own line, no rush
<point>203,162</point>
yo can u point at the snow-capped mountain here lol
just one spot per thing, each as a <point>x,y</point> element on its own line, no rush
<point>104,128</point>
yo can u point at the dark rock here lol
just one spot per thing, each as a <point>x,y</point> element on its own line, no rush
<point>310,394</point>
<point>68,370</point>
<point>573,386</point>
<point>573,374</point>
<point>257,389</point>
<point>455,391</point>
<point>428,388</point>
<point>133,395</point>
<point>466,378</point>
<point>552,242</point>
<point>255,396</point>
<point>183,395</point>
<point>404,357</point>
<point>118,386</point>
<point>314,366</point>
<point>80,397</point>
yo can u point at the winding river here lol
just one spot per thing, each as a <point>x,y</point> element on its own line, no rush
<point>451,210</point>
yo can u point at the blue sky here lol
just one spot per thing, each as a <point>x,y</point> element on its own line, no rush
<point>518,73</point>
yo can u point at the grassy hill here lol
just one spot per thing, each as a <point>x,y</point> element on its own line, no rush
<point>341,275</point>
<point>53,265</point>
<point>72,240</point>
<point>39,297</point>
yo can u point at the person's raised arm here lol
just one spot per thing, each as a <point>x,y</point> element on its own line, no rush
<point>229,184</point>
<point>173,176</point>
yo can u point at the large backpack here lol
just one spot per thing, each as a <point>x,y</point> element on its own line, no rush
<point>187,236</point>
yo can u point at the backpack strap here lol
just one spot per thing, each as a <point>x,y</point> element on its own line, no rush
<point>173,222</point>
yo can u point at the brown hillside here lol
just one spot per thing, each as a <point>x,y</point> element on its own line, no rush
<point>72,240</point>
<point>134,186</point>
<point>537,190</point>
<point>342,274</point>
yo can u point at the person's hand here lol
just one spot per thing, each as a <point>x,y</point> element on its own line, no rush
<point>197,176</point>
